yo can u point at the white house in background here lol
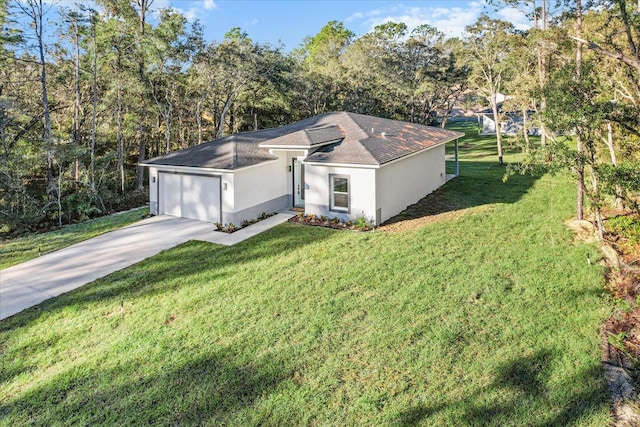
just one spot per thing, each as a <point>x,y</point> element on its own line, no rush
<point>511,124</point>
<point>341,165</point>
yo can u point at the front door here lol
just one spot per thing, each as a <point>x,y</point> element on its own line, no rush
<point>298,182</point>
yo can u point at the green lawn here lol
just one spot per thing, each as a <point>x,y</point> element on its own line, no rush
<point>23,249</point>
<point>488,318</point>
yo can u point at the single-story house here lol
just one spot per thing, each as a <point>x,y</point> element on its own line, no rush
<point>343,165</point>
<point>511,123</point>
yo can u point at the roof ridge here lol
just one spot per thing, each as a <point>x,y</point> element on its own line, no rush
<point>359,140</point>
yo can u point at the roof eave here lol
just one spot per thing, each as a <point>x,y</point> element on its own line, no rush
<point>207,169</point>
<point>395,159</point>
<point>343,165</point>
<point>186,168</point>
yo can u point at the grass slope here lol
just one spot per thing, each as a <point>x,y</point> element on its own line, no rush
<point>489,318</point>
<point>23,249</point>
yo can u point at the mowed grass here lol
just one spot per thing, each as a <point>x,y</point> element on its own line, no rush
<point>489,318</point>
<point>23,249</point>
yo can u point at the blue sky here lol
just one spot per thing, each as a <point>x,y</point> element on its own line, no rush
<point>290,21</point>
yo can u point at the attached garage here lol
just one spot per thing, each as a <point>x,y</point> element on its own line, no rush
<point>189,195</point>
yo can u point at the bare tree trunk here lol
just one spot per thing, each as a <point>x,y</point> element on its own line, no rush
<point>496,118</point>
<point>199,120</point>
<point>443,124</point>
<point>225,110</point>
<point>595,197</point>
<point>120,142</point>
<point>182,132</point>
<point>77,106</point>
<point>119,134</point>
<point>144,6</point>
<point>47,137</point>
<point>542,71</point>
<point>579,148</point>
<point>5,152</point>
<point>167,128</point>
<point>165,113</point>
<point>525,130</point>
<point>614,162</point>
<point>94,93</point>
<point>579,180</point>
<point>59,196</point>
<point>34,9</point>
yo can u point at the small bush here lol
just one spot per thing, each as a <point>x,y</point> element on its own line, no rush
<point>361,223</point>
<point>627,227</point>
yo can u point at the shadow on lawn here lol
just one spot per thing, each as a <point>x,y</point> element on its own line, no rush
<point>205,390</point>
<point>172,269</point>
<point>479,183</point>
<point>525,383</point>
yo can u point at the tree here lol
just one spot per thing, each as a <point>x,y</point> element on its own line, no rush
<point>322,52</point>
<point>397,73</point>
<point>438,79</point>
<point>612,31</point>
<point>522,87</point>
<point>143,10</point>
<point>170,54</point>
<point>624,45</point>
<point>488,41</point>
<point>323,66</point>
<point>576,106</point>
<point>35,10</point>
<point>579,166</point>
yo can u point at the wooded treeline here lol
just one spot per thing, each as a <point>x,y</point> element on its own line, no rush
<point>81,105</point>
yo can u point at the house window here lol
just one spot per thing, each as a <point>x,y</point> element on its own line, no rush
<point>339,189</point>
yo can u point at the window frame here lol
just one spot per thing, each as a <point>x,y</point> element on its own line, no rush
<point>332,193</point>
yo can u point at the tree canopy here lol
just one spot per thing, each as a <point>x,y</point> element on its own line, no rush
<point>81,107</point>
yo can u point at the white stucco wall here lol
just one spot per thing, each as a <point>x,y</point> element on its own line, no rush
<point>153,191</point>
<point>260,183</point>
<point>362,191</point>
<point>405,181</point>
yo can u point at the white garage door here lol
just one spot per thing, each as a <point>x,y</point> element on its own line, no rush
<point>190,196</point>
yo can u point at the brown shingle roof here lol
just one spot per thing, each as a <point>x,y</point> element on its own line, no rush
<point>346,138</point>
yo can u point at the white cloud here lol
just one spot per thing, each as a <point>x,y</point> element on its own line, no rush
<point>191,14</point>
<point>355,16</point>
<point>161,4</point>
<point>197,9</point>
<point>516,17</point>
<point>450,20</point>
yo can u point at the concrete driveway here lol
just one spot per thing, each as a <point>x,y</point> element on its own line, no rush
<point>27,284</point>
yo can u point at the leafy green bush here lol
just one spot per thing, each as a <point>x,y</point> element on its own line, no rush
<point>361,223</point>
<point>627,227</point>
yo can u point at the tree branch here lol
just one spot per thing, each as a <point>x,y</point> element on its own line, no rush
<point>633,62</point>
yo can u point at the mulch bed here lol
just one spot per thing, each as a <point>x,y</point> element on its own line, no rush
<point>232,228</point>
<point>335,223</point>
